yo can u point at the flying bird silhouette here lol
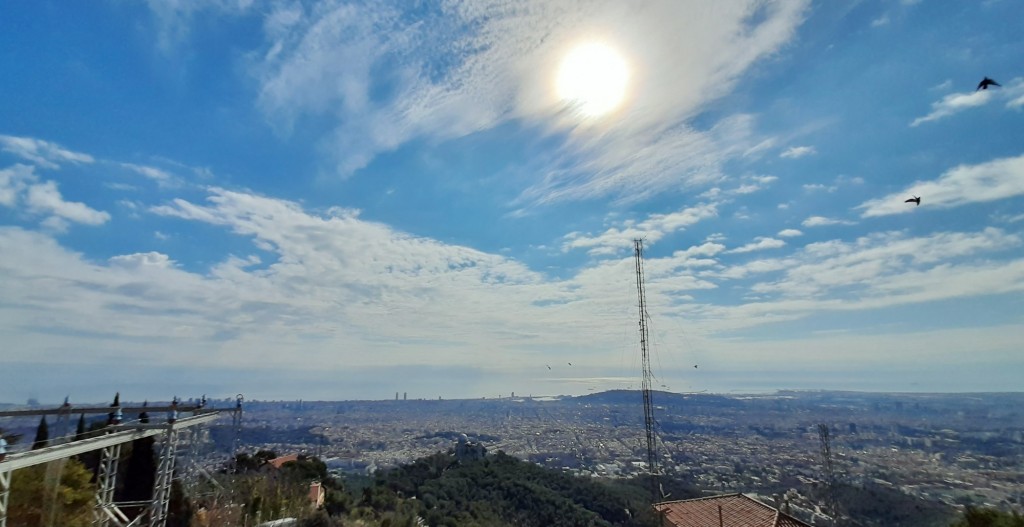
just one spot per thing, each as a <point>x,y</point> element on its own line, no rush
<point>985,83</point>
<point>695,366</point>
<point>549,367</point>
<point>570,364</point>
<point>915,199</point>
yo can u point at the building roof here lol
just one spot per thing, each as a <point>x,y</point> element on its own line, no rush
<point>737,510</point>
<point>278,461</point>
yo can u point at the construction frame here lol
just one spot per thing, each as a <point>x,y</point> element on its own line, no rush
<point>107,513</point>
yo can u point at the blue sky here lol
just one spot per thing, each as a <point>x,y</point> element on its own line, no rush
<point>348,199</point>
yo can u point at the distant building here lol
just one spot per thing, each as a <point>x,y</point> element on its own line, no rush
<point>466,450</point>
<point>730,510</point>
<point>316,494</point>
<point>277,462</point>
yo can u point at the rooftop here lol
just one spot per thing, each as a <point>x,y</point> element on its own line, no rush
<point>730,510</point>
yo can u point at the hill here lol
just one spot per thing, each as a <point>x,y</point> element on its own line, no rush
<point>502,490</point>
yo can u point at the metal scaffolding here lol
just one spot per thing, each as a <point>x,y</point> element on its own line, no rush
<point>107,512</point>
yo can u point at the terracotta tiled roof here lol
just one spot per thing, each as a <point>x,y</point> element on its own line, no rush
<point>737,510</point>
<point>278,461</point>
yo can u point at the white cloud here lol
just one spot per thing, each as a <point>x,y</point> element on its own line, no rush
<point>20,185</point>
<point>820,221</point>
<point>142,260</point>
<point>796,152</point>
<point>174,18</point>
<point>43,153</point>
<point>880,21</point>
<point>876,271</point>
<point>957,102</point>
<point>790,233</point>
<point>748,185</point>
<point>813,187</point>
<point>336,287</point>
<point>162,177</point>
<point>759,244</point>
<point>13,182</point>
<point>961,185</point>
<point>476,65</point>
<point>44,198</point>
<point>619,238</point>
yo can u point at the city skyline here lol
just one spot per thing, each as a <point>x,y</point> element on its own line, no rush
<point>331,200</point>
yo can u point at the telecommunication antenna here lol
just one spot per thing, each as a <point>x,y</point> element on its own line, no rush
<point>652,458</point>
<point>830,475</point>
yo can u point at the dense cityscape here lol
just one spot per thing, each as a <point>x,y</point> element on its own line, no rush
<point>943,449</point>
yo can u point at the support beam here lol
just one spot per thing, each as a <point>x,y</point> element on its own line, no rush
<point>106,483</point>
<point>107,512</point>
<point>71,410</point>
<point>164,477</point>
<point>122,434</point>
<point>5,493</point>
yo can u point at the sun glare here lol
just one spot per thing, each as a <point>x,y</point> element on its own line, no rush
<point>593,78</point>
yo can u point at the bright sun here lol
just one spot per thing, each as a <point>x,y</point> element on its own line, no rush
<point>593,79</point>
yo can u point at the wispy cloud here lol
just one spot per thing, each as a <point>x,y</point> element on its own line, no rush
<point>19,185</point>
<point>961,185</point>
<point>876,271</point>
<point>957,102</point>
<point>820,221</point>
<point>469,67</point>
<point>796,152</point>
<point>759,244</point>
<point>160,176</point>
<point>42,153</point>
<point>790,233</point>
<point>619,238</point>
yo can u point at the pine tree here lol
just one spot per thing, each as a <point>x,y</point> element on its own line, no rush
<point>80,429</point>
<point>140,473</point>
<point>42,434</point>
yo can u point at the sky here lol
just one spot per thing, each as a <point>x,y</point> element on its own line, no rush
<point>344,200</point>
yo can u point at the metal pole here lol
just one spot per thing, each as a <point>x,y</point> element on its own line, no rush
<point>5,491</point>
<point>106,484</point>
<point>164,476</point>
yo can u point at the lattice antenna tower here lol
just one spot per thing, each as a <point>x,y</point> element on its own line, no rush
<point>830,475</point>
<point>652,458</point>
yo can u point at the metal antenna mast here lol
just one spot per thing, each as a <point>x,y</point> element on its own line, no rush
<point>830,475</point>
<point>652,458</point>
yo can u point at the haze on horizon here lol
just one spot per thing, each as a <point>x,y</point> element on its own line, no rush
<point>341,200</point>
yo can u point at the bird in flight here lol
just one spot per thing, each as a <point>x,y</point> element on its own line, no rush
<point>548,365</point>
<point>570,364</point>
<point>695,366</point>
<point>915,199</point>
<point>985,83</point>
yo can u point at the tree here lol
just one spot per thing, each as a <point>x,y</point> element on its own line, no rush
<point>75,496</point>
<point>976,517</point>
<point>42,434</point>
<point>80,429</point>
<point>179,507</point>
<point>139,475</point>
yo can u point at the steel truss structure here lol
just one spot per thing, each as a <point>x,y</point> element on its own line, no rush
<point>107,513</point>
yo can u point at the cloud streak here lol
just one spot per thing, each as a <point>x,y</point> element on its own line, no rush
<point>470,67</point>
<point>955,103</point>
<point>19,185</point>
<point>962,185</point>
<point>43,153</point>
<point>796,152</point>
